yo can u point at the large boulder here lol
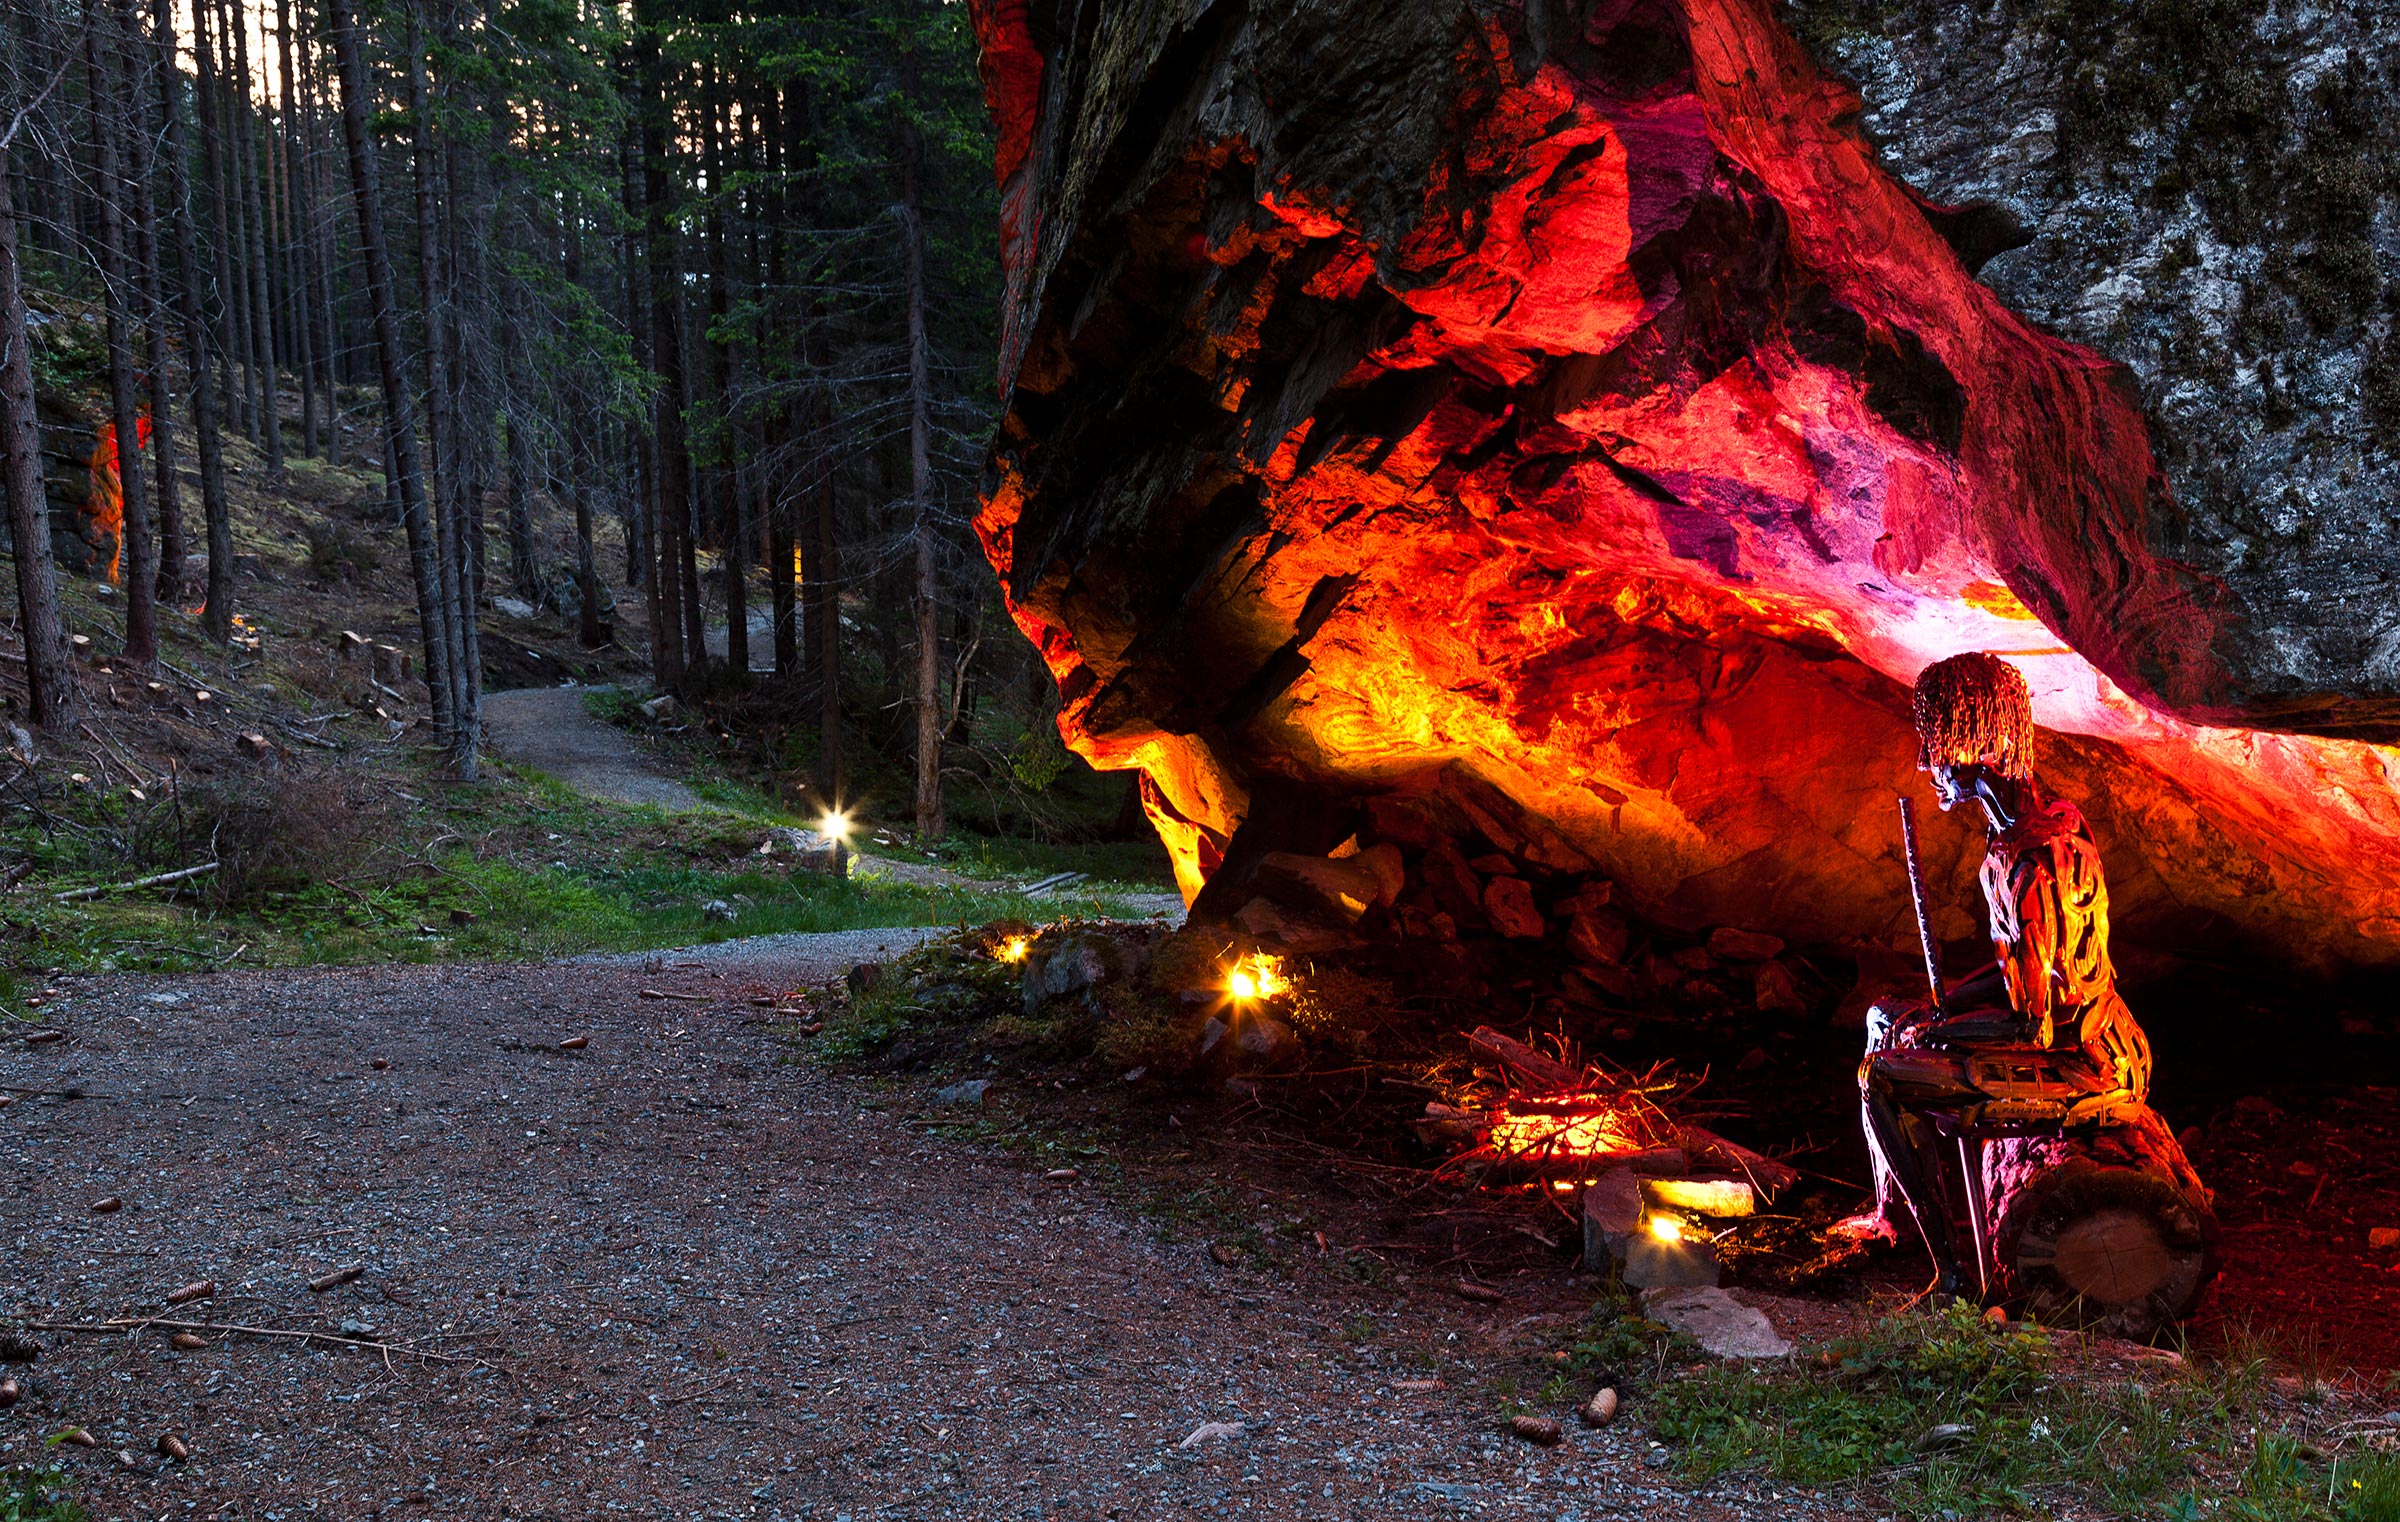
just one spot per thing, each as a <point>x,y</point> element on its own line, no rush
<point>1564,416</point>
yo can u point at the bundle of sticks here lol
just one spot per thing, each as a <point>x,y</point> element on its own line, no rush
<point>1563,1123</point>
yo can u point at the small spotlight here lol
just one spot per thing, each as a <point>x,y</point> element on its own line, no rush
<point>1013,949</point>
<point>1242,985</point>
<point>835,825</point>
<point>1666,1228</point>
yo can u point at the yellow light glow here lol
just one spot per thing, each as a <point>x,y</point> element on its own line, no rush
<point>1013,949</point>
<point>1666,1228</point>
<point>835,825</point>
<point>1607,1126</point>
<point>1254,977</point>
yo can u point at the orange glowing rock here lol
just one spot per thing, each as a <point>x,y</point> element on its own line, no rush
<point>1570,429</point>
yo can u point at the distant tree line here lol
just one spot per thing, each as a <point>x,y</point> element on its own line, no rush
<point>725,274</point>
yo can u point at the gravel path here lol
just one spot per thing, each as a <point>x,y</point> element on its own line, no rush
<point>549,729</point>
<point>687,1274</point>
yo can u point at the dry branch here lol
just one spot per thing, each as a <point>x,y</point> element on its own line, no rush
<point>160,879</point>
<point>125,1326</point>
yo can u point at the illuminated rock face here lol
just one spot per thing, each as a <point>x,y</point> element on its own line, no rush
<point>1556,412</point>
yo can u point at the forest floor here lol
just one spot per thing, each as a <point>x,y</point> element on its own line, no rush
<point>708,1264</point>
<point>681,1273</point>
<point>689,1269</point>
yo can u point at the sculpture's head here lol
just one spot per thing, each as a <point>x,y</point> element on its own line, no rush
<point>1974,720</point>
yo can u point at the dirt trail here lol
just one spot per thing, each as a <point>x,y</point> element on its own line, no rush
<point>686,1274</point>
<point>549,729</point>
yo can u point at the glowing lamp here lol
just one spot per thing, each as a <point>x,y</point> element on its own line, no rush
<point>1254,978</point>
<point>836,827</point>
<point>1666,1228</point>
<point>1013,949</point>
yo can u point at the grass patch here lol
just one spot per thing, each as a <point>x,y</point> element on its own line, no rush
<point>517,866</point>
<point>2192,1440</point>
<point>38,1495</point>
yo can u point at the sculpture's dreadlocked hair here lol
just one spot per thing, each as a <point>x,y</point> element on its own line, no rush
<point>1973,709</point>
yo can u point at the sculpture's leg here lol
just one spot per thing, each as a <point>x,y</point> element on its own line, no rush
<point>1889,1133</point>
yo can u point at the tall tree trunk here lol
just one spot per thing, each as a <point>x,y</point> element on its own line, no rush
<point>254,236</point>
<point>216,616</point>
<point>435,313</point>
<point>320,236</point>
<point>825,577</point>
<point>400,429</point>
<point>671,532</point>
<point>524,572</point>
<point>215,144</point>
<point>49,666</point>
<point>295,241</point>
<point>733,540</point>
<point>920,483</point>
<point>140,61</point>
<point>101,58</point>
<point>469,437</point>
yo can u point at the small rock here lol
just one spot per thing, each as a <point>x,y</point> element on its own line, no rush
<point>1598,937</point>
<point>1717,1321</point>
<point>353,1327</point>
<point>379,1064</point>
<point>1508,904</point>
<point>128,1459</point>
<point>1657,1458</point>
<point>1265,1041</point>
<point>659,709</point>
<point>1537,1429</point>
<point>967,1092</point>
<point>1223,1254</point>
<point>1775,990</point>
<point>107,1204</point>
<point>1601,1409</point>
<point>1736,945</point>
<point>1211,1432</point>
<point>717,912</point>
<point>1212,1033</point>
<point>574,1043</point>
<point>10,1393</point>
<point>2383,1236</point>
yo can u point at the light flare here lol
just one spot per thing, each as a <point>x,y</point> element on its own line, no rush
<point>1254,978</point>
<point>1585,1125</point>
<point>1012,950</point>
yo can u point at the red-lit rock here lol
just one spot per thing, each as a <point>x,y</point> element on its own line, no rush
<point>1548,428</point>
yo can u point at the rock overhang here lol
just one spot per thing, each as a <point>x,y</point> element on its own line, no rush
<point>1564,404</point>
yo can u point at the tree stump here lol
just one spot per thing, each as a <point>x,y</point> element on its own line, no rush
<point>2107,1229</point>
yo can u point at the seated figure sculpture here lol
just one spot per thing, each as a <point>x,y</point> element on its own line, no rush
<point>2042,1029</point>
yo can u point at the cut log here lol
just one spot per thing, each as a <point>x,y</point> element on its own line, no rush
<point>2108,1230</point>
<point>1540,1074</point>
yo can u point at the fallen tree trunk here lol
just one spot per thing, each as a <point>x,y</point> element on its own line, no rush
<point>2109,1230</point>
